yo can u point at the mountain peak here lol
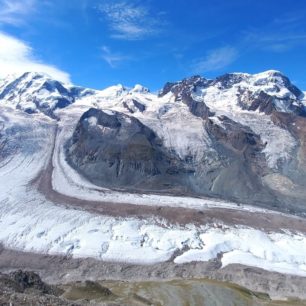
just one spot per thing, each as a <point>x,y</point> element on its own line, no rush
<point>113,91</point>
<point>37,92</point>
<point>270,73</point>
<point>139,89</point>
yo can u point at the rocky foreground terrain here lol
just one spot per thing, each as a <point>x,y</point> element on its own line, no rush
<point>203,171</point>
<point>27,288</point>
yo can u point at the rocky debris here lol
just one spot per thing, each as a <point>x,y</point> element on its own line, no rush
<point>88,291</point>
<point>297,127</point>
<point>23,288</point>
<point>25,280</point>
<point>27,288</point>
<point>243,161</point>
<point>72,273</point>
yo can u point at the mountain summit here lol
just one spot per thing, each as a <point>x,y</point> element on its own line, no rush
<point>36,92</point>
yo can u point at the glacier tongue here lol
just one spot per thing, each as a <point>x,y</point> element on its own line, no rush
<point>31,223</point>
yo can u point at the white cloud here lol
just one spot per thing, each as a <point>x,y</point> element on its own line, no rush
<point>215,60</point>
<point>13,12</point>
<point>129,21</point>
<point>113,59</point>
<point>17,57</point>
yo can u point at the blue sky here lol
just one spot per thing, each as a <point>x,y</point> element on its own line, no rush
<point>98,43</point>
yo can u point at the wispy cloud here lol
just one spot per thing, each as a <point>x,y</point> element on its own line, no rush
<point>281,35</point>
<point>215,60</point>
<point>113,59</point>
<point>129,20</point>
<point>275,41</point>
<point>13,12</point>
<point>16,56</point>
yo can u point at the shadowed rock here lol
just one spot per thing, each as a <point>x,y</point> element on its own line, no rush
<point>113,149</point>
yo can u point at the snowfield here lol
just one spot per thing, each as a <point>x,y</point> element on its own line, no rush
<point>29,222</point>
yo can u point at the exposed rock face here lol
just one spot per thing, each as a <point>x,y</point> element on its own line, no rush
<point>186,85</point>
<point>267,104</point>
<point>197,108</point>
<point>182,92</point>
<point>133,106</point>
<point>244,164</point>
<point>297,126</point>
<point>116,144</point>
<point>117,150</point>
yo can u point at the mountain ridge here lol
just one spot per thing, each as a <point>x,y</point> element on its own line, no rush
<point>196,80</point>
<point>235,137</point>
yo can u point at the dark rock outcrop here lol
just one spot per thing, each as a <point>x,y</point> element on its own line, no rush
<point>268,104</point>
<point>183,92</point>
<point>133,105</point>
<point>118,151</point>
<point>244,164</point>
<point>24,280</point>
<point>113,149</point>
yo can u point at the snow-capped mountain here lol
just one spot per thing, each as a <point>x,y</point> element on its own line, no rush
<point>34,92</point>
<point>266,91</point>
<point>239,136</point>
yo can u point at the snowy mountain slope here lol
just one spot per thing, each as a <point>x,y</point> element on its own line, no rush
<point>239,90</point>
<point>246,99</point>
<point>34,92</point>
